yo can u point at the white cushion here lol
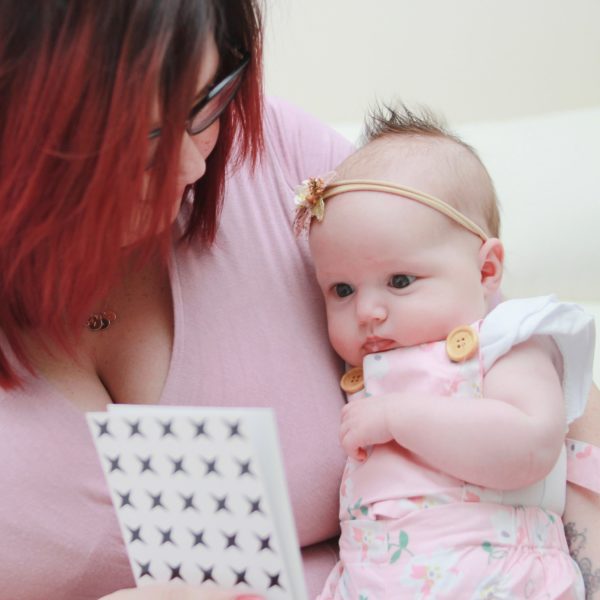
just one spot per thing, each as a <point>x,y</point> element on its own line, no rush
<point>547,174</point>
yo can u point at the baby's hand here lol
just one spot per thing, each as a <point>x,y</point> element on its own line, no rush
<point>364,423</point>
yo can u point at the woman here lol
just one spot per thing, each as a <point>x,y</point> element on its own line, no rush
<point>104,124</point>
<point>110,112</point>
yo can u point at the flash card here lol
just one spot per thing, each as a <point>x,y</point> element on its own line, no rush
<point>201,497</point>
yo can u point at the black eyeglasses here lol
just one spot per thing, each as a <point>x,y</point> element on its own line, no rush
<point>209,108</point>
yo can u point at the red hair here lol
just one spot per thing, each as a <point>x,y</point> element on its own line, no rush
<point>78,81</point>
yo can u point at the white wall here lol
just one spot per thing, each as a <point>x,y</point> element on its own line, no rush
<point>470,59</point>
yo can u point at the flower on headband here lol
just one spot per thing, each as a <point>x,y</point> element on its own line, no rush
<point>309,201</point>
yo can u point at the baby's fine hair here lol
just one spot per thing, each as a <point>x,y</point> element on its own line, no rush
<point>385,121</point>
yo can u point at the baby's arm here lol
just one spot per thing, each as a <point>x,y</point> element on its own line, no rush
<point>508,439</point>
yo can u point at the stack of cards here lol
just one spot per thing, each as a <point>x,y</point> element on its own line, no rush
<point>201,497</point>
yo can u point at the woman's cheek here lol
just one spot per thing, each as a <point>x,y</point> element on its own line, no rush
<point>206,141</point>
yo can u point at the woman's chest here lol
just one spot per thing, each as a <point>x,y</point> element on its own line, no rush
<point>129,361</point>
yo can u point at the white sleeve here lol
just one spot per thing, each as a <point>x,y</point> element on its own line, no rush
<point>515,321</point>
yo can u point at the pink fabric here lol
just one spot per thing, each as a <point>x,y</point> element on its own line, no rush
<point>412,531</point>
<point>583,465</point>
<point>451,552</point>
<point>390,480</point>
<point>249,330</point>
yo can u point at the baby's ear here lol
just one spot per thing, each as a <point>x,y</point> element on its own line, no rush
<point>491,265</point>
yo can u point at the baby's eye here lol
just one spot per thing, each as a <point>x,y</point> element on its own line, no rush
<point>342,289</point>
<point>400,281</point>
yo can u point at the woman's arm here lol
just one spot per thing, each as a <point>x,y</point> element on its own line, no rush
<point>582,513</point>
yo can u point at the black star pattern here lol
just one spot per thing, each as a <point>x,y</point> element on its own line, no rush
<point>240,576</point>
<point>145,464</point>
<point>156,500</point>
<point>231,542</point>
<point>200,429</point>
<point>244,468</point>
<point>274,580</point>
<point>166,536</point>
<point>198,538</point>
<point>145,569</point>
<point>126,499</point>
<point>221,503</point>
<point>178,465</point>
<point>254,505</point>
<point>211,467</point>
<point>188,502</point>
<point>135,428</point>
<point>114,464</point>
<point>207,574</point>
<point>234,429</point>
<point>103,429</point>
<point>167,428</point>
<point>136,535</point>
<point>265,543</point>
<point>175,572</point>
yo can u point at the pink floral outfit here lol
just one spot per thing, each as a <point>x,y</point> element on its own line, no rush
<point>411,531</point>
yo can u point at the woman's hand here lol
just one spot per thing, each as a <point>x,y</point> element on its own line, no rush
<point>178,592</point>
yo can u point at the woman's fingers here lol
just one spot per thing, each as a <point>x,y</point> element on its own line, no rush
<point>178,592</point>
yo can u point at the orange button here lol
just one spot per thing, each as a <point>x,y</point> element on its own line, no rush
<point>462,343</point>
<point>352,381</point>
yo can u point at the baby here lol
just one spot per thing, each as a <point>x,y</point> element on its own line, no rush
<point>458,405</point>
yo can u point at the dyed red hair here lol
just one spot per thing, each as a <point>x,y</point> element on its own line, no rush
<point>78,81</point>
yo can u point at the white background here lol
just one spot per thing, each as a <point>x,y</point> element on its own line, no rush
<point>472,60</point>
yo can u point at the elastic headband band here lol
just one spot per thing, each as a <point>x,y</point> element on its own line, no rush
<point>311,195</point>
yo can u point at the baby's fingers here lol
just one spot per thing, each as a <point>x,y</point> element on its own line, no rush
<point>361,454</point>
<point>351,446</point>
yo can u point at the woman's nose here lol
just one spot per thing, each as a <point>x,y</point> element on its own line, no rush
<point>193,163</point>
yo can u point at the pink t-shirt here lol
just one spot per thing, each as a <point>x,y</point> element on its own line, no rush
<point>249,331</point>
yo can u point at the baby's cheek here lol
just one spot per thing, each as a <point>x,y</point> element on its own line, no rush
<point>334,333</point>
<point>344,341</point>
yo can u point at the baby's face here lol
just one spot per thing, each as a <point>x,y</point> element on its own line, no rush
<point>393,273</point>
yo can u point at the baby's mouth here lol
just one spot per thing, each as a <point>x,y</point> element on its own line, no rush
<point>376,344</point>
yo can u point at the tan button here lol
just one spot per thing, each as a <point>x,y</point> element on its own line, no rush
<point>352,381</point>
<point>462,343</point>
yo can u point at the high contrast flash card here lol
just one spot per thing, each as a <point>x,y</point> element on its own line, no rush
<point>201,497</point>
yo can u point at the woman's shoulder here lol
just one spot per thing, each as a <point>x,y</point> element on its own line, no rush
<point>302,144</point>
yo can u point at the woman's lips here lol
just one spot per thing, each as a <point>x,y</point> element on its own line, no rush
<point>375,344</point>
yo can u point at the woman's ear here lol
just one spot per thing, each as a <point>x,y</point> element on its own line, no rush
<point>491,265</point>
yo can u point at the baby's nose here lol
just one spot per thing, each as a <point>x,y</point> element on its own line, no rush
<point>370,309</point>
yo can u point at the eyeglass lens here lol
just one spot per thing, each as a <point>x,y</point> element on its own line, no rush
<point>208,109</point>
<point>216,103</point>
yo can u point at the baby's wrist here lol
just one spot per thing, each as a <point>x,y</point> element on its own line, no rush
<point>394,414</point>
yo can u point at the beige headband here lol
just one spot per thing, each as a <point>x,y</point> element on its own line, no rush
<point>311,195</point>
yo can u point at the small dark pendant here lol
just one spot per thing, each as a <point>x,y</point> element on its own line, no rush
<point>100,321</point>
